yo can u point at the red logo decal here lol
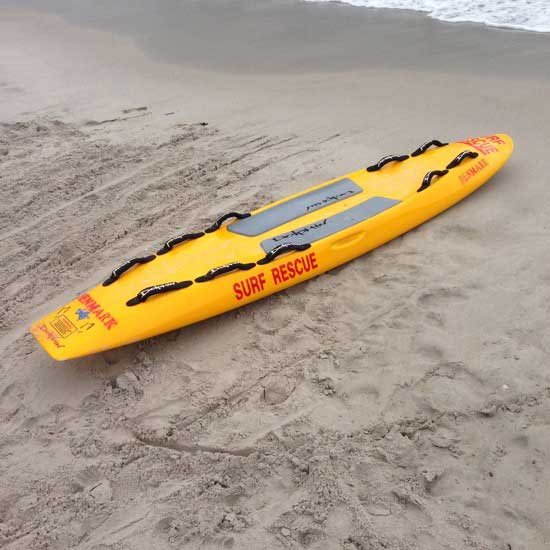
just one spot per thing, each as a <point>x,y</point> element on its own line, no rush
<point>93,307</point>
<point>471,172</point>
<point>50,335</point>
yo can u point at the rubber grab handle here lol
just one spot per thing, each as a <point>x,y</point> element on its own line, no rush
<point>386,160</point>
<point>116,273</point>
<point>427,181</point>
<point>425,146</point>
<point>217,271</point>
<point>282,249</point>
<point>218,223</point>
<point>170,243</point>
<point>146,293</point>
<point>461,157</point>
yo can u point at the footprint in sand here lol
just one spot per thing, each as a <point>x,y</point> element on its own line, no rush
<point>463,231</point>
<point>278,389</point>
<point>441,297</point>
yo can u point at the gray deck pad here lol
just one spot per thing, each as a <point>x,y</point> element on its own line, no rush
<point>333,224</point>
<point>295,208</point>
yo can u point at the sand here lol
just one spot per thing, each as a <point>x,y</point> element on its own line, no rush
<point>399,402</point>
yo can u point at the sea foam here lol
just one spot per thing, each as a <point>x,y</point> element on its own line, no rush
<point>531,15</point>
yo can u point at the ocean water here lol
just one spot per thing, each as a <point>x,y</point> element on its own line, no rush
<point>531,15</point>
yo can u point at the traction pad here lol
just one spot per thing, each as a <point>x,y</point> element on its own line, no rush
<point>333,224</point>
<point>295,208</point>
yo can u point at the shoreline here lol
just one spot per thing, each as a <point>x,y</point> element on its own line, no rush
<point>427,13</point>
<point>300,34</point>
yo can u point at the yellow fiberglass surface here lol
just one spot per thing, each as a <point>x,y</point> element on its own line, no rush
<point>244,257</point>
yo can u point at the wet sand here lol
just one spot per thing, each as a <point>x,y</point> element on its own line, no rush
<point>401,401</point>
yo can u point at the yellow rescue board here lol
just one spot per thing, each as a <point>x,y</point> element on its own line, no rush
<point>242,258</point>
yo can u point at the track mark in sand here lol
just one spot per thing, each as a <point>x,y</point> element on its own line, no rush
<point>330,138</point>
<point>150,181</point>
<point>296,154</point>
<point>9,337</point>
<point>110,120</point>
<point>193,449</point>
<point>112,183</point>
<point>129,524</point>
<point>267,144</point>
<point>240,145</point>
<point>193,417</point>
<point>103,530</point>
<point>167,404</point>
<point>288,420</point>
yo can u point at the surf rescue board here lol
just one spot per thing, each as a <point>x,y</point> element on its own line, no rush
<point>243,257</point>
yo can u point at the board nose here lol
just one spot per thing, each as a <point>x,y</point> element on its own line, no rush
<point>504,143</point>
<point>495,143</point>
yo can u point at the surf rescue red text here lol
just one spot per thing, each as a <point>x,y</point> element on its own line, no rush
<point>97,310</point>
<point>279,275</point>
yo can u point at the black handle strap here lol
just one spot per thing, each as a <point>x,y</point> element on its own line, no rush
<point>424,147</point>
<point>461,157</point>
<point>282,249</point>
<point>427,181</point>
<point>170,243</point>
<point>218,223</point>
<point>157,289</point>
<point>386,160</point>
<point>216,271</point>
<point>116,273</point>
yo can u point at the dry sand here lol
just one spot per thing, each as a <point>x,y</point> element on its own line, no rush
<point>399,402</point>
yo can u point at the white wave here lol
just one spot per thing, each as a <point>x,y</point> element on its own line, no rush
<point>531,15</point>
